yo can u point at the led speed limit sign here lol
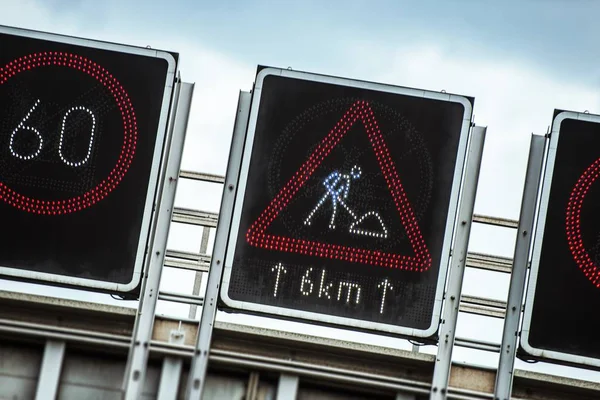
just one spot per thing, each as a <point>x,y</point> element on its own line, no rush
<point>82,128</point>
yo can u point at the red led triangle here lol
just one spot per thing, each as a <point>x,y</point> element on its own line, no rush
<point>257,235</point>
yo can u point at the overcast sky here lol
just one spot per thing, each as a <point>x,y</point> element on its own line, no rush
<point>519,59</point>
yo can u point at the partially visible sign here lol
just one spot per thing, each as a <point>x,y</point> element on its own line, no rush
<point>346,203</point>
<point>82,127</point>
<point>564,287</point>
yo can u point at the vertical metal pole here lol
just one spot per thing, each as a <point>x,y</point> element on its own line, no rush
<point>199,363</point>
<point>144,283</point>
<point>171,369</point>
<point>169,378</point>
<point>252,387</point>
<point>516,291</point>
<point>138,354</point>
<point>54,354</point>
<point>288,387</point>
<point>443,362</point>
<point>198,276</point>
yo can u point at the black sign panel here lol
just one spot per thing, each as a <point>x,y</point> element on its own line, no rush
<point>346,202</point>
<point>82,126</point>
<point>564,290</point>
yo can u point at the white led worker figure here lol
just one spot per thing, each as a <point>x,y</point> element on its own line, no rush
<point>337,186</point>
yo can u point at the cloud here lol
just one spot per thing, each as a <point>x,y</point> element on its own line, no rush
<point>512,97</point>
<point>32,14</point>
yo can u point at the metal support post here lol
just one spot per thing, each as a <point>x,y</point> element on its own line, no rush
<point>443,362</point>
<point>171,369</point>
<point>169,378</point>
<point>198,275</point>
<point>54,354</point>
<point>199,363</point>
<point>516,291</point>
<point>288,387</point>
<point>142,334</point>
<point>252,386</point>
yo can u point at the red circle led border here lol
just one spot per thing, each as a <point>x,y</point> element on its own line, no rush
<point>102,190</point>
<point>573,223</point>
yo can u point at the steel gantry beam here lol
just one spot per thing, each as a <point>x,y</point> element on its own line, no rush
<point>269,352</point>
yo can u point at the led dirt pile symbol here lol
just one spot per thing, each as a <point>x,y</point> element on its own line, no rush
<point>337,187</point>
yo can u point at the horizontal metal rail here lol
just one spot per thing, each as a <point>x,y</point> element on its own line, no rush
<point>477,344</point>
<point>331,374</point>
<point>201,176</point>
<point>183,264</point>
<point>189,256</point>
<point>464,394</point>
<point>489,262</point>
<point>195,217</point>
<point>181,298</point>
<point>482,306</point>
<point>186,260</point>
<point>44,331</point>
<point>496,221</point>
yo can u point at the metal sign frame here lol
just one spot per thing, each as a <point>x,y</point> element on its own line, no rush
<point>158,155</point>
<point>450,222</point>
<point>544,354</point>
<point>199,363</point>
<point>510,333</point>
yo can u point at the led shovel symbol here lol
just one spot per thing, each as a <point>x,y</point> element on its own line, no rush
<point>258,236</point>
<point>337,187</point>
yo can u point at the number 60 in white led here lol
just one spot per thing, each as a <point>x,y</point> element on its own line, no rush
<point>22,126</point>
